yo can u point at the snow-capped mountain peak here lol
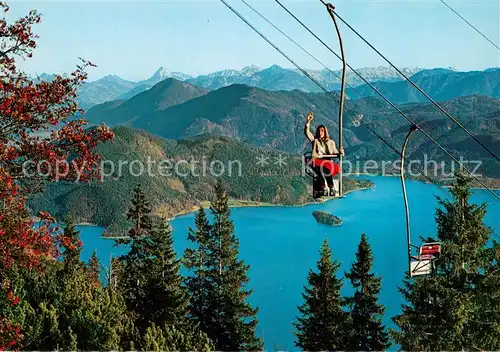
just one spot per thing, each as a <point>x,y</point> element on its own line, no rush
<point>162,73</point>
<point>250,70</point>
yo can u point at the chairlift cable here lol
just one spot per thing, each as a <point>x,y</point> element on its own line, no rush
<point>470,24</point>
<point>320,85</point>
<point>437,105</point>
<point>335,74</point>
<point>389,102</point>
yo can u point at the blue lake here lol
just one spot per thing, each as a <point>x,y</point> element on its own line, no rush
<point>281,244</point>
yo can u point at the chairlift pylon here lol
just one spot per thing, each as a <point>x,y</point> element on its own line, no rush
<point>318,178</point>
<point>423,262</point>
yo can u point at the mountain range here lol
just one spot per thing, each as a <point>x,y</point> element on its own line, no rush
<point>275,119</point>
<point>177,120</point>
<point>112,87</point>
<point>278,78</point>
<point>440,83</point>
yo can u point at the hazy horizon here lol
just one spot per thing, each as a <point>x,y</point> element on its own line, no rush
<point>132,39</point>
<point>261,68</point>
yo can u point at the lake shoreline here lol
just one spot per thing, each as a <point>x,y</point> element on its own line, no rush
<point>237,203</point>
<point>282,245</point>
<point>241,203</point>
<point>424,180</point>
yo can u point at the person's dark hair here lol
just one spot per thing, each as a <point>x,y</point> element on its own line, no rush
<point>317,136</point>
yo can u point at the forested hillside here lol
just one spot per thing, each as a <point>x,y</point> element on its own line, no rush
<point>177,186</point>
<point>276,119</point>
<point>439,84</point>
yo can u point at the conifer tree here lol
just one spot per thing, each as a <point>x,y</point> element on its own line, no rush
<point>166,302</point>
<point>486,321</point>
<point>139,213</point>
<point>93,267</point>
<point>64,310</point>
<point>134,281</point>
<point>97,316</point>
<point>323,323</point>
<point>225,316</point>
<point>367,333</point>
<point>72,246</point>
<point>150,279</point>
<point>196,261</point>
<point>448,311</point>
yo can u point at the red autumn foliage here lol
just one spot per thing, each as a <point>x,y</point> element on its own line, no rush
<point>9,334</point>
<point>39,138</point>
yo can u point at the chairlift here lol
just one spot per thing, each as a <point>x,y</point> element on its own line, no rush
<point>316,174</point>
<point>423,264</point>
<point>430,250</point>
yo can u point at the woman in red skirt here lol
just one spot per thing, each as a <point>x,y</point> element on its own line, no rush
<point>322,145</point>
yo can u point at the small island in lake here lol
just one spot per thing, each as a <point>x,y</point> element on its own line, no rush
<point>326,218</point>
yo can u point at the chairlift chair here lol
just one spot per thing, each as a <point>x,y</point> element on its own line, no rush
<point>316,175</point>
<point>430,250</point>
<point>427,254</point>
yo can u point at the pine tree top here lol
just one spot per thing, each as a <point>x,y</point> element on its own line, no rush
<point>220,205</point>
<point>461,231</point>
<point>70,241</point>
<point>140,212</point>
<point>360,271</point>
<point>323,322</point>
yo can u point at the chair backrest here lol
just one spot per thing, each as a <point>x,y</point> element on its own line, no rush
<point>430,248</point>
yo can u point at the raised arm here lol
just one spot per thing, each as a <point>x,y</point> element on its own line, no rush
<point>307,128</point>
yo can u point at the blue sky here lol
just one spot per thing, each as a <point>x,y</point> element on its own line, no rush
<point>133,39</point>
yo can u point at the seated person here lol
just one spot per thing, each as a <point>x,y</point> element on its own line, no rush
<point>322,146</point>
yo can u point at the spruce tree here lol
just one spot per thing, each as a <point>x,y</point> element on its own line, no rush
<point>225,316</point>
<point>72,246</point>
<point>367,333</point>
<point>447,311</point>
<point>167,302</point>
<point>93,267</point>
<point>150,279</point>
<point>486,320</point>
<point>134,283</point>
<point>139,213</point>
<point>323,324</point>
<point>196,261</point>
